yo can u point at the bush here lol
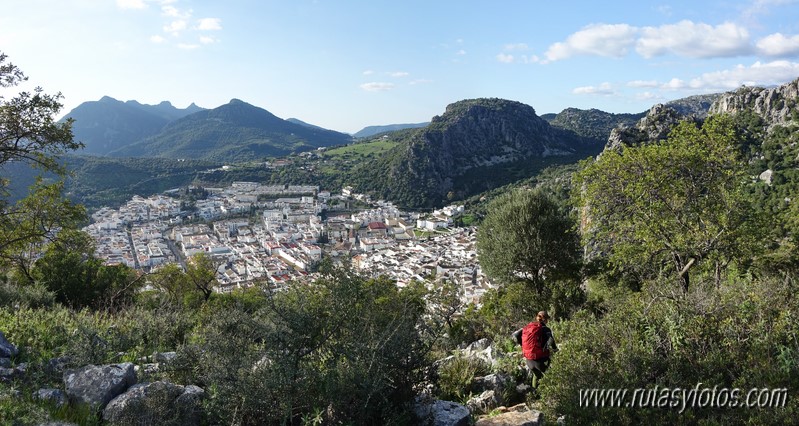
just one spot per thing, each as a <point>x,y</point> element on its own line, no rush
<point>456,377</point>
<point>741,335</point>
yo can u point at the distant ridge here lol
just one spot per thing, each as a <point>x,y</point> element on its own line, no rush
<point>375,130</point>
<point>108,124</point>
<point>234,132</point>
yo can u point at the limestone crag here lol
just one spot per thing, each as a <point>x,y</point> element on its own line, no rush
<point>777,106</point>
<point>655,126</point>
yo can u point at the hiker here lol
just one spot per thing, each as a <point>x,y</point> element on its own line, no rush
<point>537,344</point>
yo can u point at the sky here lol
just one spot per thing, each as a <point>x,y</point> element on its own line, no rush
<point>347,64</point>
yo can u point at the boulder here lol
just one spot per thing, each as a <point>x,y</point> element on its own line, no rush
<point>432,412</point>
<point>156,402</point>
<point>483,403</point>
<point>514,418</point>
<point>7,350</point>
<point>164,356</point>
<point>5,362</point>
<point>54,396</point>
<point>97,385</point>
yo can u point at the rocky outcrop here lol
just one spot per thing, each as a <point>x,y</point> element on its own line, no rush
<point>655,126</point>
<point>473,137</point>
<point>7,350</point>
<point>97,385</point>
<point>777,106</point>
<point>432,412</point>
<point>148,403</point>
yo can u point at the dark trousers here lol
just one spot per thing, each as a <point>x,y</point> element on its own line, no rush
<point>537,367</point>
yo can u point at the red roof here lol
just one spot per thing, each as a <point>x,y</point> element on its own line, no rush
<point>377,225</point>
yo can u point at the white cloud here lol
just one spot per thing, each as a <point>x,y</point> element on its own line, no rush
<point>209,24</point>
<point>187,46</point>
<point>368,72</point>
<point>460,52</point>
<point>674,84</point>
<point>420,81</point>
<point>131,4</point>
<point>647,96</point>
<point>694,40</point>
<point>173,12</point>
<point>157,39</point>
<point>779,45</point>
<point>758,74</point>
<point>377,87</point>
<point>685,39</point>
<point>601,40</point>
<point>643,83</point>
<point>602,89</point>
<point>175,27</point>
<point>207,40</point>
<point>505,58</point>
<point>399,74</point>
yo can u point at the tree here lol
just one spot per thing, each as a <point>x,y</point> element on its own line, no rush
<point>527,237</point>
<point>30,134</point>
<point>201,273</point>
<point>673,204</point>
<point>68,268</point>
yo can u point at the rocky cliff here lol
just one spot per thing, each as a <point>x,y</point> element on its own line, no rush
<point>473,146</point>
<point>777,105</point>
<point>654,126</point>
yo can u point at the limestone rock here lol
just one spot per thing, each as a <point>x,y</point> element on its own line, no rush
<point>432,412</point>
<point>97,385</point>
<point>54,396</point>
<point>7,350</point>
<point>766,176</point>
<point>655,126</point>
<point>483,403</point>
<point>156,402</point>
<point>775,105</point>
<point>514,418</point>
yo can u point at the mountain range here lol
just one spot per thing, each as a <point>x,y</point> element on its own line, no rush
<point>236,131</point>
<point>475,145</point>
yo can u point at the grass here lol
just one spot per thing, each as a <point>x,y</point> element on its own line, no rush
<point>362,149</point>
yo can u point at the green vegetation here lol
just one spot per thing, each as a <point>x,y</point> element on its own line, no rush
<point>690,281</point>
<point>676,205</point>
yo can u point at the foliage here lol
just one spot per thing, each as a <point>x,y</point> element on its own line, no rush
<point>677,204</point>
<point>456,377</point>
<point>526,237</point>
<point>29,135</point>
<point>345,345</point>
<point>741,335</point>
<point>77,278</point>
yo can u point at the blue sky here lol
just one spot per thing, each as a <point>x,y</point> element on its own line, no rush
<point>348,64</point>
